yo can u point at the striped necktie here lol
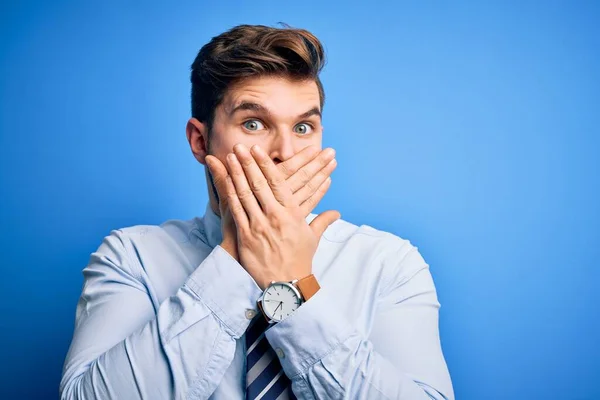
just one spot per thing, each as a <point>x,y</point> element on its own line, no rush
<point>265,378</point>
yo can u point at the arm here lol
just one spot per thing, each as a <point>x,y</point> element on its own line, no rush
<point>123,348</point>
<point>325,357</point>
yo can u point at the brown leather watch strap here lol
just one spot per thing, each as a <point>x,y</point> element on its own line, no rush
<point>308,286</point>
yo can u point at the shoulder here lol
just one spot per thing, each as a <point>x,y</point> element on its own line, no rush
<point>398,257</point>
<point>342,231</point>
<point>127,244</point>
<point>173,230</point>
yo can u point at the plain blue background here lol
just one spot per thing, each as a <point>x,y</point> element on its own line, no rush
<point>470,129</point>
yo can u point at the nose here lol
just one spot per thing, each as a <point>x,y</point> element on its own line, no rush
<point>282,148</point>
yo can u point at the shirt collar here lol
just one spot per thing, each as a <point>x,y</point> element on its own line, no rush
<point>212,227</point>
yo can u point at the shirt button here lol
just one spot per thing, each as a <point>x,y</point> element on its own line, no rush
<point>280,353</point>
<point>250,313</point>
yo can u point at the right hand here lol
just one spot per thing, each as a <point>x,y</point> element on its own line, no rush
<point>308,176</point>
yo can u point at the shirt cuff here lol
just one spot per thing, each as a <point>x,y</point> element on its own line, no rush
<point>226,288</point>
<point>312,332</point>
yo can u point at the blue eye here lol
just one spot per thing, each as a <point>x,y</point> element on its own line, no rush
<point>253,125</point>
<point>303,129</point>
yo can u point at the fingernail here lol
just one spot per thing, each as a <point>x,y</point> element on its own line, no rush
<point>231,157</point>
<point>329,152</point>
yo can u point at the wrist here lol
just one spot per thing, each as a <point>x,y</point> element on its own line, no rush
<point>231,248</point>
<point>308,286</point>
<point>264,280</point>
<point>287,296</point>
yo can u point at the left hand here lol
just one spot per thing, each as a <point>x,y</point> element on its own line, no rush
<point>274,241</point>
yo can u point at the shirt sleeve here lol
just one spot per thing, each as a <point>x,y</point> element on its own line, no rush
<point>124,348</point>
<point>327,358</point>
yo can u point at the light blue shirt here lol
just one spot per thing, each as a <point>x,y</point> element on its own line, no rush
<point>163,311</point>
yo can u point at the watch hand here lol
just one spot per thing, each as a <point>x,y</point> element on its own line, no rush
<point>280,303</point>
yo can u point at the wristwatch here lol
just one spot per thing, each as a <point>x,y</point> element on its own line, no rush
<point>280,299</point>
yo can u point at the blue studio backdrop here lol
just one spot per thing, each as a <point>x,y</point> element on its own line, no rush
<point>489,111</point>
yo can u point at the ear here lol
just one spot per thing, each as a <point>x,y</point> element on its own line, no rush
<point>197,136</point>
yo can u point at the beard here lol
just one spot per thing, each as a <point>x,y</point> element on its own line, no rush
<point>213,187</point>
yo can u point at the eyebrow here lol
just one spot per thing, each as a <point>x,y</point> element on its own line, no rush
<point>249,106</point>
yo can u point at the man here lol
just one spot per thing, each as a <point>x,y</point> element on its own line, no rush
<point>260,298</point>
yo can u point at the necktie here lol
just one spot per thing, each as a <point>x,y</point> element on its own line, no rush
<point>265,379</point>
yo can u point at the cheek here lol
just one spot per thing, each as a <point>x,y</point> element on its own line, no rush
<point>226,146</point>
<point>218,150</point>
<point>222,144</point>
<point>316,140</point>
<point>299,143</point>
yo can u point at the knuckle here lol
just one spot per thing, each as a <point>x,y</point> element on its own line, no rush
<point>310,186</point>
<point>229,190</point>
<point>276,223</point>
<point>312,200</point>
<point>257,185</point>
<point>264,163</point>
<point>324,173</point>
<point>244,237</point>
<point>244,232</point>
<point>258,228</point>
<point>245,193</point>
<point>304,175</point>
<point>231,200</point>
<point>218,181</point>
<point>236,208</point>
<point>285,168</point>
<point>231,195</point>
<point>276,181</point>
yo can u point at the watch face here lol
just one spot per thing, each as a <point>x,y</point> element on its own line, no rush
<point>280,300</point>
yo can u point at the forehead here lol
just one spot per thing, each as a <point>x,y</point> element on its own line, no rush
<point>279,95</point>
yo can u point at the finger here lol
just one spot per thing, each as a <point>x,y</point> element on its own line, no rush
<point>235,206</point>
<point>297,161</point>
<point>309,204</point>
<point>219,173</point>
<point>220,176</point>
<point>274,177</point>
<point>306,173</point>
<point>315,183</point>
<point>323,220</point>
<point>242,188</point>
<point>256,180</point>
